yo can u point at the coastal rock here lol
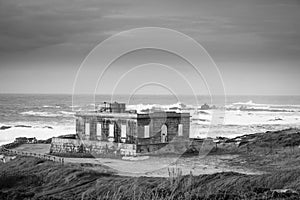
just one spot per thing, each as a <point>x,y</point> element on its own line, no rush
<point>49,127</point>
<point>205,107</point>
<point>202,112</point>
<point>4,127</point>
<point>23,126</point>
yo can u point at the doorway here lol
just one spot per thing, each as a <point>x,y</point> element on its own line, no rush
<point>164,133</point>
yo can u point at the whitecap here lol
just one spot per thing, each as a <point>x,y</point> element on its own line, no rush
<point>67,113</point>
<point>178,107</point>
<point>41,133</point>
<point>48,106</point>
<point>40,114</point>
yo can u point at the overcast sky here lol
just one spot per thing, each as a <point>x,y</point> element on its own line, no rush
<point>255,43</point>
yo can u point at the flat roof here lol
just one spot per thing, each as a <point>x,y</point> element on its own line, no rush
<point>108,115</point>
<point>132,115</point>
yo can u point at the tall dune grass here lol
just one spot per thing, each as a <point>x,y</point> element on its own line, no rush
<point>32,178</point>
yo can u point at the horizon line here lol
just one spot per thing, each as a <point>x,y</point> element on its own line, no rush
<point>33,93</point>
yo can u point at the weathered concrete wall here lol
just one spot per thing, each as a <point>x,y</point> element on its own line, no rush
<point>131,128</point>
<point>135,128</point>
<point>179,145</point>
<point>155,123</point>
<point>60,145</point>
<point>176,146</point>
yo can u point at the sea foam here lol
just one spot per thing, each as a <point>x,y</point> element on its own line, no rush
<point>41,133</point>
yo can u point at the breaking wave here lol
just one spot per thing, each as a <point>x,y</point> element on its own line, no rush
<point>250,105</point>
<point>40,114</point>
<point>169,107</point>
<point>48,106</point>
<point>40,131</point>
<point>67,113</point>
<point>48,114</point>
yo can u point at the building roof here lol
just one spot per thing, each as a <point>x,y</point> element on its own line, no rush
<point>118,110</point>
<point>131,115</point>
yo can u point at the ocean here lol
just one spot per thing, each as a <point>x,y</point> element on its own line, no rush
<point>48,115</point>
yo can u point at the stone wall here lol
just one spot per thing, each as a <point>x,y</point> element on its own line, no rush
<point>100,131</point>
<point>155,123</point>
<point>130,123</point>
<point>60,145</point>
<point>176,146</point>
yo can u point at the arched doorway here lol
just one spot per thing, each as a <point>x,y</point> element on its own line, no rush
<point>164,133</point>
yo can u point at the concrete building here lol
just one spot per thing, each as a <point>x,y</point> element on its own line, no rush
<point>112,126</point>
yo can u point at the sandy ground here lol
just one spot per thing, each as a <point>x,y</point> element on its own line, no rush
<point>155,166</point>
<point>161,166</point>
<point>34,148</point>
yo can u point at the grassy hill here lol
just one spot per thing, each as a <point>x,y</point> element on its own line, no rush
<point>32,178</point>
<point>274,152</point>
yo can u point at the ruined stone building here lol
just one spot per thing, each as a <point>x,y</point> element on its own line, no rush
<point>113,128</point>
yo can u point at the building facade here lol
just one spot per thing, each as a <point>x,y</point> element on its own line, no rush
<point>145,132</point>
<point>132,128</point>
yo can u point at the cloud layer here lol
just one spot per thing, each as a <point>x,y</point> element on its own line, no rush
<point>237,33</point>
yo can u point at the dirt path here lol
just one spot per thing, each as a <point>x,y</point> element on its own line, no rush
<point>153,166</point>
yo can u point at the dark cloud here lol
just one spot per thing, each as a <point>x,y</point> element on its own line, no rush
<point>26,25</point>
<point>50,34</point>
<point>35,24</point>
